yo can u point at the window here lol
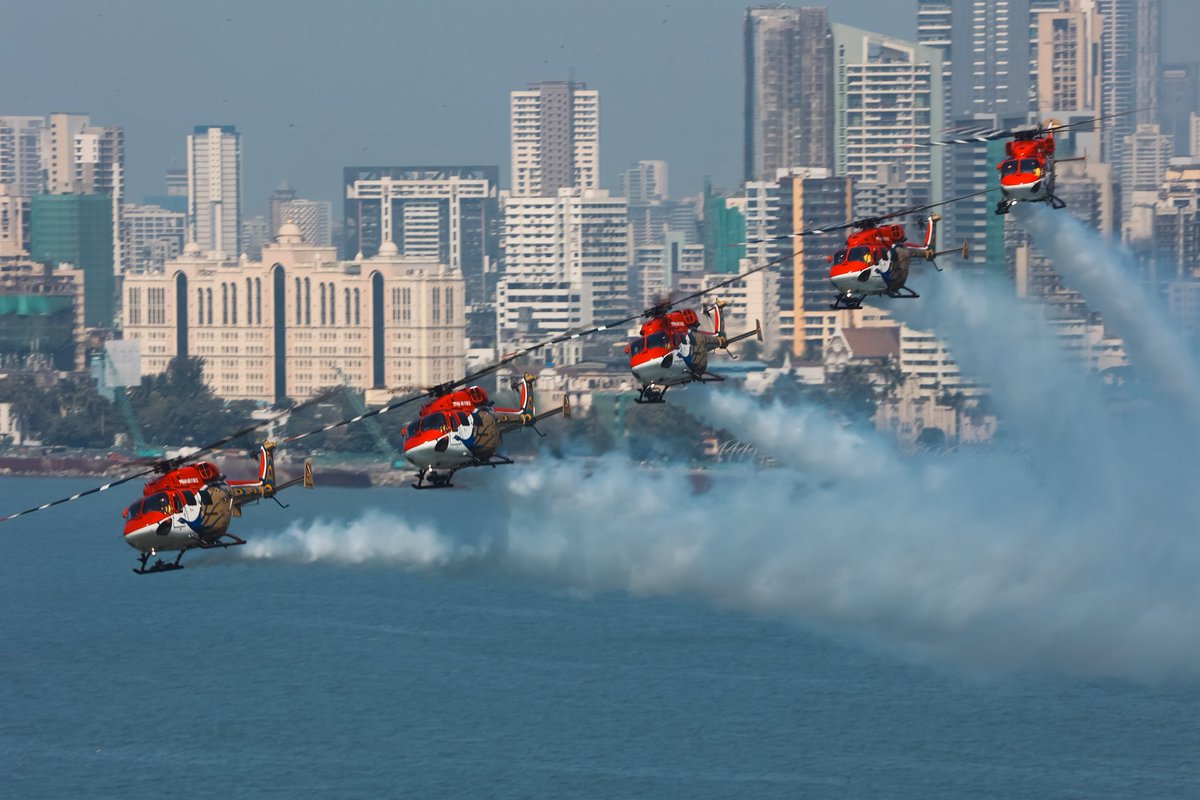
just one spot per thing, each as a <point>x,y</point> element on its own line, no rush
<point>157,305</point>
<point>199,306</point>
<point>656,340</point>
<point>224,304</point>
<point>435,305</point>
<point>258,301</point>
<point>233,302</point>
<point>433,422</point>
<point>406,305</point>
<point>299,308</point>
<point>210,306</point>
<point>249,302</point>
<point>135,307</point>
<point>347,317</point>
<point>307,302</point>
<point>449,305</point>
<point>357,308</point>
<point>332,290</point>
<point>396,304</point>
<point>321,289</point>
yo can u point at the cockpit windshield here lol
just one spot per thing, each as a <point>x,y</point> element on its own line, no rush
<point>636,346</point>
<point>859,253</point>
<point>1022,165</point>
<point>155,502</point>
<point>433,422</point>
<point>656,340</point>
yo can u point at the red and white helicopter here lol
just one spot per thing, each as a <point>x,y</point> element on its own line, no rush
<point>876,257</point>
<point>1027,172</point>
<point>191,504</point>
<point>670,349</point>
<point>464,428</point>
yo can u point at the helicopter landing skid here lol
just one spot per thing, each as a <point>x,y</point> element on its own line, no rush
<point>157,566</point>
<point>847,302</point>
<point>213,544</point>
<point>651,394</point>
<point>902,293</point>
<point>1056,202</point>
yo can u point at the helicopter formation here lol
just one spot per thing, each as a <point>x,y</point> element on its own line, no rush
<point>191,504</point>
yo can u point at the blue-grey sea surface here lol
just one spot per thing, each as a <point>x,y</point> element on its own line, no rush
<point>284,678</point>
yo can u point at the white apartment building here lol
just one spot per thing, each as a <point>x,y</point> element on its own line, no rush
<point>14,210</point>
<point>21,143</point>
<point>315,218</point>
<point>150,237</point>
<point>645,182</point>
<point>888,105</point>
<point>214,154</point>
<point>555,138</point>
<point>660,269</point>
<point>577,246</point>
<point>300,320</point>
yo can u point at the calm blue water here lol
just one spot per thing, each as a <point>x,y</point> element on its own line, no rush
<point>276,679</point>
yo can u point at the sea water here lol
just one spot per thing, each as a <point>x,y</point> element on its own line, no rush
<point>318,677</point>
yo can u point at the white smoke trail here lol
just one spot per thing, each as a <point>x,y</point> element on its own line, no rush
<point>1095,268</point>
<point>969,561</point>
<point>1084,563</point>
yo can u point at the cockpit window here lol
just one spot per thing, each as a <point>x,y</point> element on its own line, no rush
<point>155,502</point>
<point>1023,165</point>
<point>433,422</point>
<point>859,253</point>
<point>636,346</point>
<point>656,340</point>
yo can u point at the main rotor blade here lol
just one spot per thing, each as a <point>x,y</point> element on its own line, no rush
<point>167,464</point>
<point>77,495</point>
<point>868,220</point>
<point>992,135</point>
<point>356,418</point>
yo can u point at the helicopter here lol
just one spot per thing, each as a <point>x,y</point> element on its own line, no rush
<point>876,257</point>
<point>670,349</point>
<point>191,504</point>
<point>1027,172</point>
<point>463,428</point>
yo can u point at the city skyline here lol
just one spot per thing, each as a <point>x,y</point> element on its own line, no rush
<point>673,92</point>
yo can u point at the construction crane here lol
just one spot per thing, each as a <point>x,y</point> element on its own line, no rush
<point>358,406</point>
<point>113,381</point>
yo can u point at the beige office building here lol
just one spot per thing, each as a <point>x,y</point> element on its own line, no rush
<point>300,320</point>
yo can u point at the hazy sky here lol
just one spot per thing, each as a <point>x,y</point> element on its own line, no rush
<point>315,86</point>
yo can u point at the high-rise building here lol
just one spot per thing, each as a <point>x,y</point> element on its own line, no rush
<point>804,198</point>
<point>21,148</point>
<point>1066,63</point>
<point>645,183</point>
<point>1129,71</point>
<point>76,229</point>
<point>300,320</point>
<point>1147,152</point>
<point>14,224</point>
<point>724,229</point>
<point>150,237</point>
<point>175,184</point>
<point>789,90</point>
<point>255,234</point>
<point>1178,100</point>
<point>661,269</point>
<point>283,194</point>
<point>314,218</point>
<point>888,107</point>
<point>451,214</point>
<point>985,50</point>
<point>555,138</point>
<point>215,187</point>
<point>567,263</point>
